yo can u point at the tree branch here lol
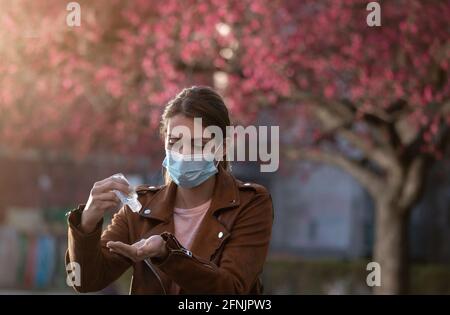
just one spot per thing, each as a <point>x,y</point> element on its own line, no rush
<point>363,175</point>
<point>335,123</point>
<point>413,183</point>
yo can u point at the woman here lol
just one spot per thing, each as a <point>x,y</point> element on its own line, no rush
<point>202,232</point>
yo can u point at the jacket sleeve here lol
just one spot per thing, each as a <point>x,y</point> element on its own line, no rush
<point>98,267</point>
<point>242,259</point>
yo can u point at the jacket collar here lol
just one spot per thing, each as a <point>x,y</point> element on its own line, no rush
<point>212,232</point>
<point>225,195</point>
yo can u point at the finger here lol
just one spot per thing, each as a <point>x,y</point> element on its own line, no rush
<point>111,185</point>
<point>139,253</point>
<point>119,180</point>
<point>108,196</point>
<point>124,188</point>
<point>145,252</point>
<point>151,247</point>
<point>119,251</point>
<point>129,250</point>
<point>139,243</point>
<point>116,252</point>
<point>108,205</point>
<point>109,179</point>
<point>101,182</point>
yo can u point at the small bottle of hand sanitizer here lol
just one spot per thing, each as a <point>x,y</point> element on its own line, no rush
<point>131,199</point>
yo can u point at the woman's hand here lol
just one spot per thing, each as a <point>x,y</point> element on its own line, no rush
<point>154,246</point>
<point>102,199</point>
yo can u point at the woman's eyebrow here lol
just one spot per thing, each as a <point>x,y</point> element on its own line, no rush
<point>200,140</point>
<point>193,140</point>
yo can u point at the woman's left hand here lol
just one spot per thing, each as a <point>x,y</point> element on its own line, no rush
<point>154,246</point>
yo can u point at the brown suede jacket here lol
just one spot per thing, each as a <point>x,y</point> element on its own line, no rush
<point>227,255</point>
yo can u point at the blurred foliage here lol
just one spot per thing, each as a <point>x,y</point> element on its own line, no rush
<point>293,276</point>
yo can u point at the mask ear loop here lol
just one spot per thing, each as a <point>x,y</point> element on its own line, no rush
<point>215,152</point>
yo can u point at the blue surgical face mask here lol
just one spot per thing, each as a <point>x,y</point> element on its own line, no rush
<point>189,171</point>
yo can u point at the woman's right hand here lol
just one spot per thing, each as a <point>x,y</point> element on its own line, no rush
<point>102,199</point>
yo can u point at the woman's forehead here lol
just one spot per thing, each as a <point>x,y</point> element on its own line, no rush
<point>180,120</point>
<point>180,126</point>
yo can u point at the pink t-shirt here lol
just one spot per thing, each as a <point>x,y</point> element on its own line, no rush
<point>186,222</point>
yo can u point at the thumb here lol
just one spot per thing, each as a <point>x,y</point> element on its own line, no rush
<point>151,247</point>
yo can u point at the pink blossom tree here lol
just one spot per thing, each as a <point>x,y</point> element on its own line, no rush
<point>381,91</point>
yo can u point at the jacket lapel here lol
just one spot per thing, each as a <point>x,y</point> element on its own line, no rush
<point>211,233</point>
<point>160,208</point>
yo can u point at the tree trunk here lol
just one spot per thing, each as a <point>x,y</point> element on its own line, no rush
<point>391,248</point>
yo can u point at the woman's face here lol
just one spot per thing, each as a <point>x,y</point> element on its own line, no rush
<point>181,136</point>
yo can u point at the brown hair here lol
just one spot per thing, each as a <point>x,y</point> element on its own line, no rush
<point>202,102</point>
